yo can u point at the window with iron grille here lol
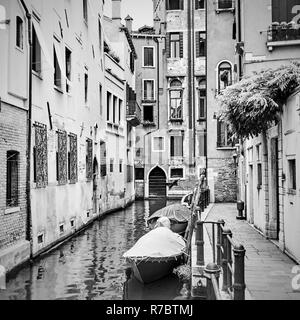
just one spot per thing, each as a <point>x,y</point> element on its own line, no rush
<point>12,179</point>
<point>72,159</point>
<point>225,138</point>
<point>225,4</point>
<point>89,159</point>
<point>103,159</point>
<point>176,173</point>
<point>61,158</point>
<point>41,156</point>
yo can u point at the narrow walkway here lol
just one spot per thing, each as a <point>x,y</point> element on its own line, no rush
<point>268,271</point>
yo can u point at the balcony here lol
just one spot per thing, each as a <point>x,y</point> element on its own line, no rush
<point>284,34</point>
<point>134,113</point>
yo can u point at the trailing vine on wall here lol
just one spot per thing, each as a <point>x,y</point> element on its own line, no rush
<point>252,105</point>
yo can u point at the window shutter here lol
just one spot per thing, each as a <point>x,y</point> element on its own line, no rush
<point>196,4</point>
<point>181,44</point>
<point>276,12</point>
<point>168,43</point>
<point>198,43</point>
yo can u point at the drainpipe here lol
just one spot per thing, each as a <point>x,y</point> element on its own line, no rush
<point>239,35</point>
<point>29,133</point>
<point>206,107</point>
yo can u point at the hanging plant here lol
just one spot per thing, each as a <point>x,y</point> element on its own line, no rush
<point>252,105</point>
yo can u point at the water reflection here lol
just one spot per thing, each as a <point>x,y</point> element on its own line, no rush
<point>91,266</point>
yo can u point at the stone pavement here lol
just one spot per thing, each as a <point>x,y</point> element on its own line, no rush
<point>268,271</point>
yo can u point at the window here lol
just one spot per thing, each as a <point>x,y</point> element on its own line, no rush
<point>292,182</point>
<point>224,76</point>
<point>175,45</point>
<point>158,144</point>
<point>89,159</point>
<point>85,11</point>
<point>259,175</point>
<point>175,100</point>
<point>115,99</point>
<point>61,158</point>
<point>176,173</point>
<point>202,99</point>
<point>132,60</point>
<point>148,57</point>
<point>202,145</point>
<point>19,32</point>
<point>101,101</point>
<point>108,102</point>
<point>111,166</point>
<point>174,4</point>
<point>200,44</point>
<point>120,110</point>
<point>86,87</point>
<point>139,173</point>
<point>121,166</point>
<point>225,4</point>
<point>57,71</point>
<point>40,156</point>
<point>36,53</point>
<point>68,54</point>
<point>177,146</point>
<point>103,158</point>
<point>149,90</point>
<point>148,113</point>
<point>224,135</point>
<point>12,179</point>
<point>72,159</point>
<point>199,4</point>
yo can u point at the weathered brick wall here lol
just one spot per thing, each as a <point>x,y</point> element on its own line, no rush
<point>12,137</point>
<point>225,182</point>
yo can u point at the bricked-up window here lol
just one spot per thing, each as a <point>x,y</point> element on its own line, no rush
<point>174,4</point>
<point>139,173</point>
<point>57,71</point>
<point>174,45</point>
<point>149,90</point>
<point>41,156</point>
<point>103,165</point>
<point>72,159</point>
<point>85,10</point>
<point>12,179</point>
<point>225,138</point>
<point>200,44</point>
<point>175,102</point>
<point>176,146</point>
<point>148,57</point>
<point>225,4</point>
<point>36,52</point>
<point>199,4</point>
<point>62,158</point>
<point>224,76</point>
<point>89,159</point>
<point>292,181</point>
<point>129,173</point>
<point>19,32</point>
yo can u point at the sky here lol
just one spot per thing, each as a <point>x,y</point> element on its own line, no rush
<point>140,10</point>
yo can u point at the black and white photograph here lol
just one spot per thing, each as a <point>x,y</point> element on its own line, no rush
<point>150,151</point>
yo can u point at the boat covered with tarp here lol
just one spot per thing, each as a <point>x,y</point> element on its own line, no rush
<point>178,214</point>
<point>156,254</point>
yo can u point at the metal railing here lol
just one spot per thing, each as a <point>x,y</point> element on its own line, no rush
<point>283,33</point>
<point>227,256</point>
<point>134,111</point>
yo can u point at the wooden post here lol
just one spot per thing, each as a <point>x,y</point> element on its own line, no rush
<point>239,273</point>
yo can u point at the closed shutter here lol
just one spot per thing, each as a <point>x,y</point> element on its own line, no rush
<point>276,16</point>
<point>197,42</point>
<point>181,44</point>
<point>168,46</point>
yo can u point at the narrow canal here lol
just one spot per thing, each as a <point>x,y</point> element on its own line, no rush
<point>90,266</point>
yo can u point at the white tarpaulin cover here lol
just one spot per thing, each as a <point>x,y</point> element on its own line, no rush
<point>158,243</point>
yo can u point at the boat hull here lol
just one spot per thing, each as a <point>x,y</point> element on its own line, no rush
<point>177,227</point>
<point>153,270</point>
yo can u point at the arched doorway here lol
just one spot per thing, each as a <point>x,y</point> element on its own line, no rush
<point>157,183</point>
<point>95,186</point>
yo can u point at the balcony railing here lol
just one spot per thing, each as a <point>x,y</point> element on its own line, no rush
<point>283,32</point>
<point>134,113</point>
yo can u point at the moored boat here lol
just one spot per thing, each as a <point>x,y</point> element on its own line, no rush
<point>156,254</point>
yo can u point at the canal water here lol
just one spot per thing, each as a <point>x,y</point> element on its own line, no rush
<point>90,266</point>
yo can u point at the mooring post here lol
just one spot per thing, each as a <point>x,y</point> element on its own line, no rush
<point>226,232</point>
<point>220,226</point>
<point>239,273</point>
<point>200,243</point>
<point>212,271</point>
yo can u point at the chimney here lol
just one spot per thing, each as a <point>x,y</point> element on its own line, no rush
<point>116,10</point>
<point>129,20</point>
<point>157,24</point>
